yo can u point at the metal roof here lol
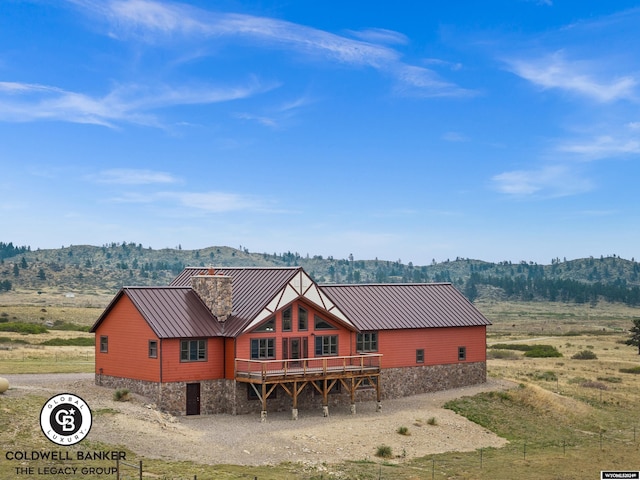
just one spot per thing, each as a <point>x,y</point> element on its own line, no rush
<point>404,306</point>
<point>251,290</point>
<point>177,311</point>
<point>171,312</point>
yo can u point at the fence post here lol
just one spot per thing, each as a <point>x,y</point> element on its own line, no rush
<point>117,469</point>
<point>140,469</point>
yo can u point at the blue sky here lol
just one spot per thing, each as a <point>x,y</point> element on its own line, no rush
<point>496,130</point>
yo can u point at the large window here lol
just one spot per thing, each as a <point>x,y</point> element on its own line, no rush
<point>193,350</point>
<point>104,344</point>
<point>326,345</point>
<point>263,348</point>
<point>286,320</point>
<point>367,342</point>
<point>303,319</point>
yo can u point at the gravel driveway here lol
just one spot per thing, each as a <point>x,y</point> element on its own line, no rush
<point>244,440</point>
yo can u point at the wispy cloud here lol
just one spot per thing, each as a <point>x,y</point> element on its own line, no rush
<point>127,176</point>
<point>605,146</point>
<point>582,77</point>
<point>200,202</point>
<point>23,102</point>
<point>546,182</point>
<point>156,21</point>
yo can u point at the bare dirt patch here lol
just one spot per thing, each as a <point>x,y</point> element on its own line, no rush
<point>244,440</point>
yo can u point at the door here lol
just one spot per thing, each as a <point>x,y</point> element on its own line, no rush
<point>193,399</point>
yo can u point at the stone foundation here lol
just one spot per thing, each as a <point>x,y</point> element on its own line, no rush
<point>231,397</point>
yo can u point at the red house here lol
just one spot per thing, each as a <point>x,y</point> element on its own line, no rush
<point>239,340</point>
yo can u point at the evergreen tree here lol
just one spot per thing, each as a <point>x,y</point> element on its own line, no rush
<point>635,334</point>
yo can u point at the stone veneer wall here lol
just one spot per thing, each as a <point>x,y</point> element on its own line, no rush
<point>215,291</point>
<point>231,397</point>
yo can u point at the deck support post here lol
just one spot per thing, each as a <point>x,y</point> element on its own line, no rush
<point>263,416</point>
<point>353,409</point>
<point>325,410</point>
<point>294,414</point>
<point>379,407</point>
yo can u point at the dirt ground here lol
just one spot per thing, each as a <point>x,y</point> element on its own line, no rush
<point>245,440</point>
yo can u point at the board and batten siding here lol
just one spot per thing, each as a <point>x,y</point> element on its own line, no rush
<point>128,344</point>
<point>174,370</point>
<point>440,345</point>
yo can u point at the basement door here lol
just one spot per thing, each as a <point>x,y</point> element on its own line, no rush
<point>193,399</point>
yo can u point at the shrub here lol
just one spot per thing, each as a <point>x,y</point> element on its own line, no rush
<point>73,342</point>
<point>24,328</point>
<point>584,355</point>
<point>121,395</point>
<point>384,451</point>
<point>635,370</point>
<point>610,379</point>
<point>403,431</point>
<point>432,421</point>
<point>542,351</point>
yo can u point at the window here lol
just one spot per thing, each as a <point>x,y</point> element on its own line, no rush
<point>263,348</point>
<point>104,344</point>
<point>286,320</point>
<point>326,345</point>
<point>193,350</point>
<point>302,319</point>
<point>420,355</point>
<point>322,324</point>
<point>153,349</point>
<point>268,326</point>
<point>462,353</point>
<point>367,342</point>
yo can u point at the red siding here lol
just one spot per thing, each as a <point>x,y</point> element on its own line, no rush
<point>243,344</point>
<point>173,370</point>
<point>440,345</point>
<point>128,350</point>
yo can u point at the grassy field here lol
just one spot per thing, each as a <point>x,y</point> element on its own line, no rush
<point>565,418</point>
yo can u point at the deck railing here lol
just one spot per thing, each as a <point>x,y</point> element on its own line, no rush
<point>305,367</point>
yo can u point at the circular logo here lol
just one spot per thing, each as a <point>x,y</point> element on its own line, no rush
<point>65,419</point>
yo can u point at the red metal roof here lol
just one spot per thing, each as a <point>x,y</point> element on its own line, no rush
<point>177,311</point>
<point>404,306</point>
<point>171,312</point>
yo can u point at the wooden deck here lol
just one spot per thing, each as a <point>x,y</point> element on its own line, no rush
<point>259,371</point>
<point>321,373</point>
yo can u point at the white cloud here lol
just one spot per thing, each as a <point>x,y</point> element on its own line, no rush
<point>604,146</point>
<point>381,35</point>
<point>24,102</point>
<point>550,181</point>
<point>586,78</point>
<point>199,202</point>
<point>156,21</point>
<point>127,176</point>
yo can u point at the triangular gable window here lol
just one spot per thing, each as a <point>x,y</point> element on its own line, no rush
<point>322,324</point>
<point>268,326</point>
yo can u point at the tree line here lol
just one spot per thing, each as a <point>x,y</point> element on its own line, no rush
<point>555,290</point>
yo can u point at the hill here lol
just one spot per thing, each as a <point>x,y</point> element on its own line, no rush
<point>85,269</point>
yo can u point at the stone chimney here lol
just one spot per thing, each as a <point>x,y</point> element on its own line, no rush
<point>215,292</point>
